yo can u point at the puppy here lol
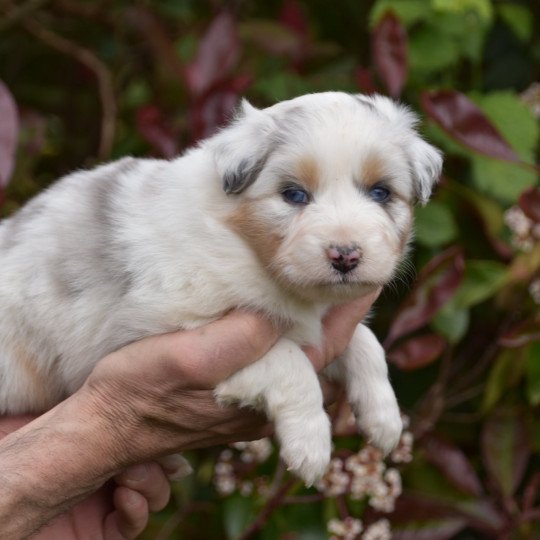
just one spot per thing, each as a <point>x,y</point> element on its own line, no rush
<point>288,211</point>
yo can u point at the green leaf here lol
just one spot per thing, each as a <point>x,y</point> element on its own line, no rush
<point>435,225</point>
<point>506,448</point>
<point>532,372</point>
<point>238,512</point>
<point>482,8</point>
<point>430,50</point>
<point>482,280</point>
<point>513,119</point>
<point>499,179</point>
<point>506,373</point>
<point>409,11</point>
<point>519,18</point>
<point>451,323</point>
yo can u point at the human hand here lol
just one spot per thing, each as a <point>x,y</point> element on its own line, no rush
<point>146,400</point>
<point>119,510</point>
<point>167,381</point>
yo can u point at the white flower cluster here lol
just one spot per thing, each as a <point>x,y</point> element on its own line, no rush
<point>534,291</point>
<point>380,530</point>
<point>226,479</point>
<point>350,529</point>
<point>525,232</point>
<point>365,474</point>
<point>254,451</point>
<point>531,98</point>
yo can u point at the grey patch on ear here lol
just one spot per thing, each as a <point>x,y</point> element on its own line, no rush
<point>236,181</point>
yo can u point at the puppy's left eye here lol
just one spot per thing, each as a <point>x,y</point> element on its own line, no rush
<point>295,196</point>
<point>379,194</point>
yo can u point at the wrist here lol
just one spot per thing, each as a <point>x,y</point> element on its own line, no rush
<point>51,463</point>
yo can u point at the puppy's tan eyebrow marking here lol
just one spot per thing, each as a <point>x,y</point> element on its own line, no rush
<point>307,173</point>
<point>371,172</point>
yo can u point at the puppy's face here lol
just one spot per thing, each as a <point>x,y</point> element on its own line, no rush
<point>325,190</point>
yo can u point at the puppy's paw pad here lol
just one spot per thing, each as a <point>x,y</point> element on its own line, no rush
<point>306,447</point>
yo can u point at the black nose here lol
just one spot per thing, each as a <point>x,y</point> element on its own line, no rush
<point>344,258</point>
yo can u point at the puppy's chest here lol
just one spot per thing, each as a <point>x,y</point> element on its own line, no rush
<point>189,300</point>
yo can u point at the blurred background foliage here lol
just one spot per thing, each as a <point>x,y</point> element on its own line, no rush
<point>87,81</point>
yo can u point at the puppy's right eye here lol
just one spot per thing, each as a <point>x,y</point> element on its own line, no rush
<point>296,196</point>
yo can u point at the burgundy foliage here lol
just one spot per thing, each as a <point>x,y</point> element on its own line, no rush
<point>152,126</point>
<point>389,50</point>
<point>417,352</point>
<point>214,90</point>
<point>436,284</point>
<point>217,55</point>
<point>293,17</point>
<point>506,449</point>
<point>9,131</point>
<point>529,202</point>
<point>453,463</point>
<point>464,121</point>
<point>521,333</point>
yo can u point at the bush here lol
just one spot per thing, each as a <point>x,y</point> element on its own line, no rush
<point>97,80</point>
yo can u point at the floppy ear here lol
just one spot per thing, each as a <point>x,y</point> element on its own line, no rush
<point>241,149</point>
<point>425,161</point>
<point>426,166</point>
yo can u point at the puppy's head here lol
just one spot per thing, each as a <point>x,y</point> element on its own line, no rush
<point>324,187</point>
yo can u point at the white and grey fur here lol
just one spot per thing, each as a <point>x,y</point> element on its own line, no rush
<point>140,247</point>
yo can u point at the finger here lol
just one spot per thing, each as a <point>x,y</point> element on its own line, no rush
<point>175,466</point>
<point>214,352</point>
<point>130,517</point>
<point>150,481</point>
<point>330,390</point>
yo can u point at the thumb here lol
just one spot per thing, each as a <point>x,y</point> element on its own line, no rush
<point>213,352</point>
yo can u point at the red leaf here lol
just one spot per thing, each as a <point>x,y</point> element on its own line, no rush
<point>436,284</point>
<point>216,106</point>
<point>430,515</point>
<point>152,126</point>
<point>364,80</point>
<point>464,121</point>
<point>33,132</point>
<point>417,352</point>
<point>218,54</point>
<point>453,464</point>
<point>293,16</point>
<point>389,46</point>
<point>418,517</point>
<point>506,449</point>
<point>529,202</point>
<point>521,334</point>
<point>9,131</point>
<point>433,529</point>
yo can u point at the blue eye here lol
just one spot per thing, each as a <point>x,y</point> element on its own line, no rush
<point>379,194</point>
<point>296,196</point>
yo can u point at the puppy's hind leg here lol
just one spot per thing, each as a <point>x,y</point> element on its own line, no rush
<point>284,384</point>
<point>364,373</point>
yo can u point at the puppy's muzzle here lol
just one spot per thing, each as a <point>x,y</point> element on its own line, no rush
<point>344,258</point>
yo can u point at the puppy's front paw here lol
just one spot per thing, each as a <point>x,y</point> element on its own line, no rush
<point>381,423</point>
<point>306,444</point>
